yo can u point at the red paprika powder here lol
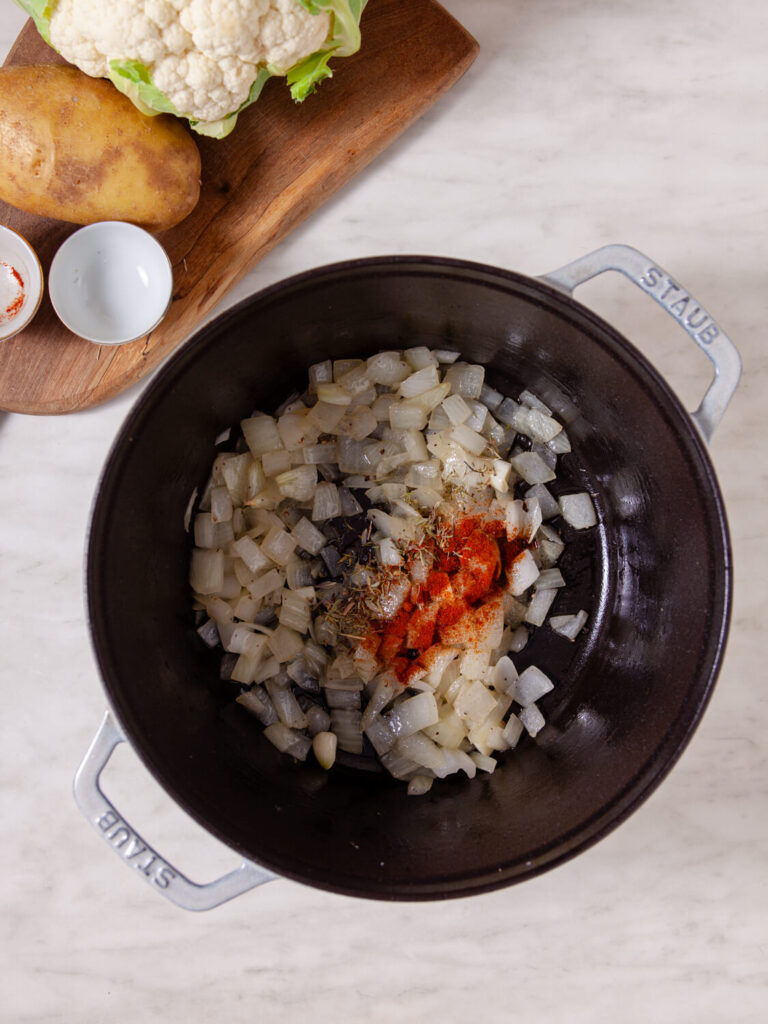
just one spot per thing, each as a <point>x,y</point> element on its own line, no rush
<point>468,560</point>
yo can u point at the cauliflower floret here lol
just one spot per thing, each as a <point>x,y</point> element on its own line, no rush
<point>203,54</point>
<point>280,32</point>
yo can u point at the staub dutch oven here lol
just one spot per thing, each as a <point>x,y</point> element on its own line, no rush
<point>655,577</point>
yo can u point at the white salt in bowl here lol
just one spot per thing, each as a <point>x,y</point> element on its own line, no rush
<point>21,283</point>
<point>111,282</point>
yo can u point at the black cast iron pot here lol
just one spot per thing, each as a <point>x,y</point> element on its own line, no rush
<point>655,577</point>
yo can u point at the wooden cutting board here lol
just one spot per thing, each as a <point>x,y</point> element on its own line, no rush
<point>280,163</point>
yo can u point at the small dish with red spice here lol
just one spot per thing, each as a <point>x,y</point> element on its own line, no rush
<point>21,283</point>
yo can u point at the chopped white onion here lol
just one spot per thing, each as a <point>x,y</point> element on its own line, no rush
<point>272,526</point>
<point>320,373</point>
<point>419,382</point>
<point>419,785</point>
<point>578,510</point>
<point>261,435</point>
<point>531,685</point>
<point>333,394</point>
<point>298,483</point>
<point>308,537</point>
<point>327,504</point>
<point>569,626</point>
<point>446,356</point>
<point>288,741</point>
<point>456,409</point>
<point>413,714</point>
<point>522,573</point>
<point>206,572</point>
<point>532,468</point>
<point>539,606</point>
<point>532,720</point>
<point>465,380</point>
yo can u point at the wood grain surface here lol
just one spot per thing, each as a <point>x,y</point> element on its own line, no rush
<point>279,165</point>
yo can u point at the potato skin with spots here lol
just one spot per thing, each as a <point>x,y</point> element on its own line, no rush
<point>76,149</point>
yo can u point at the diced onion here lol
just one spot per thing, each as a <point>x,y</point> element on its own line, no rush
<point>532,684</point>
<point>532,719</point>
<point>261,435</point>
<point>541,602</point>
<point>569,626</point>
<point>288,741</point>
<point>372,455</point>
<point>327,504</point>
<point>522,573</point>
<point>420,382</point>
<point>206,574</point>
<point>419,785</point>
<point>532,468</point>
<point>466,380</point>
<point>578,510</point>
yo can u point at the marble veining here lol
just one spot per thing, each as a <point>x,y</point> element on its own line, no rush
<point>581,123</point>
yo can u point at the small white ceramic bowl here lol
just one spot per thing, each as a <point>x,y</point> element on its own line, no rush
<point>111,282</point>
<point>21,283</point>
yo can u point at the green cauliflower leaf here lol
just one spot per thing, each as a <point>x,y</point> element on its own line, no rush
<point>40,12</point>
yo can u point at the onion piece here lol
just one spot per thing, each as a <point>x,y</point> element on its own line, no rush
<point>206,572</point>
<point>418,358</point>
<point>532,684</point>
<point>532,468</point>
<point>287,707</point>
<point>320,373</point>
<point>468,439</point>
<point>333,394</point>
<point>278,545</point>
<point>421,750</point>
<point>419,382</point>
<point>346,725</point>
<point>413,714</point>
<point>274,463</point>
<point>387,368</point>
<point>569,626</point>
<point>539,606</point>
<point>318,720</point>
<point>532,719</point>
<point>504,675</point>
<point>258,703</point>
<point>407,415</point>
<point>419,785</point>
<point>465,379</point>
<point>474,702</point>
<point>512,731</point>
<point>522,573</point>
<point>483,762</point>
<point>260,433</point>
<point>578,510</point>
<point>288,741</point>
<point>285,644</point>
<point>327,504</point>
<point>456,409</point>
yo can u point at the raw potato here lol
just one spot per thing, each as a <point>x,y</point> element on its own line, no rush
<point>74,148</point>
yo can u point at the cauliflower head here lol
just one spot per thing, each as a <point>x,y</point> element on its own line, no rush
<point>204,60</point>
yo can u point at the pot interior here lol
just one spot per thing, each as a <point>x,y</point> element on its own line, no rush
<point>654,578</point>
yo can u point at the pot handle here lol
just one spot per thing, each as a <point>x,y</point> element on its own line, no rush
<point>128,844</point>
<point>680,304</point>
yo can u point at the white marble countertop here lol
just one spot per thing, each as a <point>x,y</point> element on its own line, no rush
<point>581,123</point>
